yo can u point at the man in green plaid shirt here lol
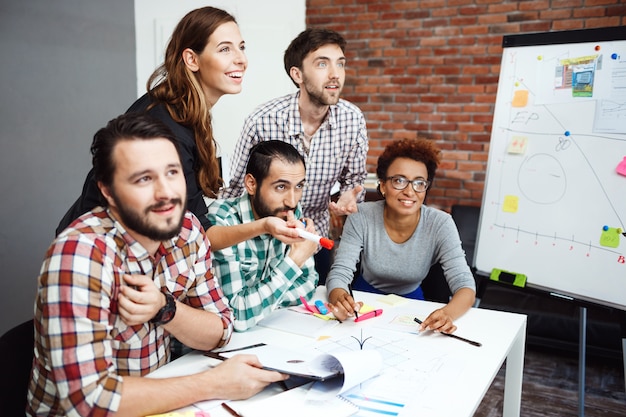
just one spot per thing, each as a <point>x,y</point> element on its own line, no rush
<point>263,273</point>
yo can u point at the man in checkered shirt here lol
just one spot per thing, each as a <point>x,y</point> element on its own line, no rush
<point>328,131</point>
<point>121,280</point>
<point>261,274</point>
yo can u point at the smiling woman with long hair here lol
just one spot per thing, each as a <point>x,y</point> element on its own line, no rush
<point>204,60</point>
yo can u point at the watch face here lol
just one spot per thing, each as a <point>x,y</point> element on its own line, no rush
<point>166,314</point>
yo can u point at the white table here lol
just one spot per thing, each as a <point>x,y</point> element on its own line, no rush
<point>469,370</point>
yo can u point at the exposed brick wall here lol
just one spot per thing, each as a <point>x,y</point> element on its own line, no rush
<point>430,68</point>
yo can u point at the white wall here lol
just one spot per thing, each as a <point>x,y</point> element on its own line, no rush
<point>67,68</point>
<point>267,27</point>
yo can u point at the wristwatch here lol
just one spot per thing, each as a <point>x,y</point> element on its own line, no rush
<point>166,314</point>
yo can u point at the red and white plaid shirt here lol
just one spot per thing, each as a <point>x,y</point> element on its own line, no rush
<point>82,347</point>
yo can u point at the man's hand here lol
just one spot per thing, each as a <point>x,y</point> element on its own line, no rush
<point>301,251</point>
<point>346,203</point>
<point>283,230</point>
<point>139,299</point>
<point>238,378</point>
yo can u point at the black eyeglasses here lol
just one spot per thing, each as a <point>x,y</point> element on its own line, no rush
<point>400,183</point>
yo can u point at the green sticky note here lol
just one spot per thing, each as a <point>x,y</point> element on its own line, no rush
<point>610,237</point>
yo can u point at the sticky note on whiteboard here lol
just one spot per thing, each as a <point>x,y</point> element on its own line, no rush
<point>520,98</point>
<point>621,167</point>
<point>517,145</point>
<point>610,237</point>
<point>510,203</point>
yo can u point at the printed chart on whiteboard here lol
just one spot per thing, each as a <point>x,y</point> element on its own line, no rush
<point>554,205</point>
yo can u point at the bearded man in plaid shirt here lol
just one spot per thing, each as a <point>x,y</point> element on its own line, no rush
<point>329,132</point>
<point>121,280</point>
<point>263,273</point>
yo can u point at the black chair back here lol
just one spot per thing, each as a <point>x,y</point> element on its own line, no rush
<point>16,360</point>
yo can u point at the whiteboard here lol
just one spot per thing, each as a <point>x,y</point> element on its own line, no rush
<point>554,204</point>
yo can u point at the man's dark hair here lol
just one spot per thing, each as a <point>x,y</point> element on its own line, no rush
<point>129,126</point>
<point>308,41</point>
<point>264,153</point>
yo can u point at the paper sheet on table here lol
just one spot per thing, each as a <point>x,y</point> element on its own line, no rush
<point>304,324</point>
<point>295,402</point>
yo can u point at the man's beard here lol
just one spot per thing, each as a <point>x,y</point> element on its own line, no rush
<point>319,97</point>
<point>134,220</point>
<point>262,210</point>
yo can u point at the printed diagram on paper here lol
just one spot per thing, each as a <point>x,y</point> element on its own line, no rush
<point>411,364</point>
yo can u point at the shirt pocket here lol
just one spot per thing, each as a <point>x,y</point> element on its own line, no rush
<point>181,283</point>
<point>251,264</point>
<point>127,338</point>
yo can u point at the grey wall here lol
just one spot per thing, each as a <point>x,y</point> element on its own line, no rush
<point>68,66</point>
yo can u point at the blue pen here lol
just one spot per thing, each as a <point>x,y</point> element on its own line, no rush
<point>321,307</point>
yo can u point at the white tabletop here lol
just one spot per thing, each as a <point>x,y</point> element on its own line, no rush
<point>432,375</point>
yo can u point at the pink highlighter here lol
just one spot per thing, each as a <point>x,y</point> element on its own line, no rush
<point>369,315</point>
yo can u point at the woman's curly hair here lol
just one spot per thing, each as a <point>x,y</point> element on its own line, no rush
<point>420,149</point>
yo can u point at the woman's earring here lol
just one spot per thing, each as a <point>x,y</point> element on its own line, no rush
<point>378,188</point>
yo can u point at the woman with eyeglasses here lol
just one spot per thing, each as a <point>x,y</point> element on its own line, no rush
<point>397,240</point>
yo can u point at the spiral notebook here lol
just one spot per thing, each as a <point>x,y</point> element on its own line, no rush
<point>295,403</point>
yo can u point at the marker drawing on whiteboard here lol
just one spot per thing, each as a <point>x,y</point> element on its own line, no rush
<point>323,241</point>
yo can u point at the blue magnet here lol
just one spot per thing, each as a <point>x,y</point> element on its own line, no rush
<point>567,133</point>
<point>605,228</point>
<point>614,56</point>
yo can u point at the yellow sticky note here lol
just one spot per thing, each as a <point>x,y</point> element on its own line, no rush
<point>510,203</point>
<point>366,308</point>
<point>323,317</point>
<point>517,145</point>
<point>520,98</point>
<point>404,320</point>
<point>392,299</point>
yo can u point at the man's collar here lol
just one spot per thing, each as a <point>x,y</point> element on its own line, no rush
<point>295,118</point>
<point>247,214</point>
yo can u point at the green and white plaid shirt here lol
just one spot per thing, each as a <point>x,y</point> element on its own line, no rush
<point>256,275</point>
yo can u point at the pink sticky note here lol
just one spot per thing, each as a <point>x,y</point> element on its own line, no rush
<point>621,167</point>
<point>308,306</point>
